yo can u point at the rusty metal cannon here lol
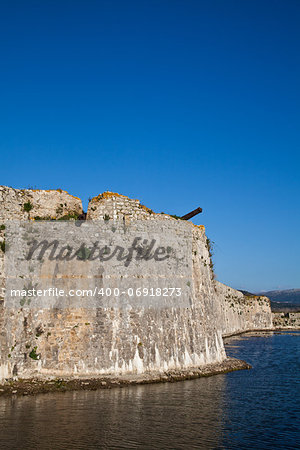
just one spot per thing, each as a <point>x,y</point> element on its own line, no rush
<point>192,214</point>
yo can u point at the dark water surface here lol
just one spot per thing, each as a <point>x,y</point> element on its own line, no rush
<point>249,409</point>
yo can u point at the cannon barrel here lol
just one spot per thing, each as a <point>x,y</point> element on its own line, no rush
<point>192,214</point>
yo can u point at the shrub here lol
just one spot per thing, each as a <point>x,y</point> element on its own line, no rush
<point>209,247</point>
<point>42,218</point>
<point>33,354</point>
<point>83,253</point>
<point>28,206</point>
<point>70,216</point>
<point>176,217</point>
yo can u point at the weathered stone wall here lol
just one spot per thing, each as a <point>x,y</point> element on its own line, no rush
<point>52,204</point>
<point>111,205</point>
<point>25,204</point>
<point>33,204</point>
<point>104,340</point>
<point>286,320</point>
<point>242,313</point>
<point>101,341</point>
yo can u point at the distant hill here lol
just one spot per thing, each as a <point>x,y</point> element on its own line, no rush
<point>289,295</point>
<point>287,300</point>
<point>281,301</point>
<point>247,293</point>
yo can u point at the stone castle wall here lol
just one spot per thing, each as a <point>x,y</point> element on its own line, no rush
<point>102,341</point>
<point>286,320</point>
<point>33,204</point>
<point>111,205</point>
<point>241,312</point>
<point>23,204</point>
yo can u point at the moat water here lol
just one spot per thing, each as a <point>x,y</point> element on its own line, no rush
<point>249,409</point>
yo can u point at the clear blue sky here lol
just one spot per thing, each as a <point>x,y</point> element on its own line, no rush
<point>178,103</point>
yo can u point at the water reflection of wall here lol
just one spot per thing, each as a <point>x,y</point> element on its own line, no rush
<point>149,416</point>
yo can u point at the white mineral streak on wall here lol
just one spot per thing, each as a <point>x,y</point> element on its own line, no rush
<point>81,342</point>
<point>5,371</point>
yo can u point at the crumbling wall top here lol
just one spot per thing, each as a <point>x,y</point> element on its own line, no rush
<point>24,204</point>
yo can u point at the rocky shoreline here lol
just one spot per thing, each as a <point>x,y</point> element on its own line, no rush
<point>261,331</point>
<point>38,386</point>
